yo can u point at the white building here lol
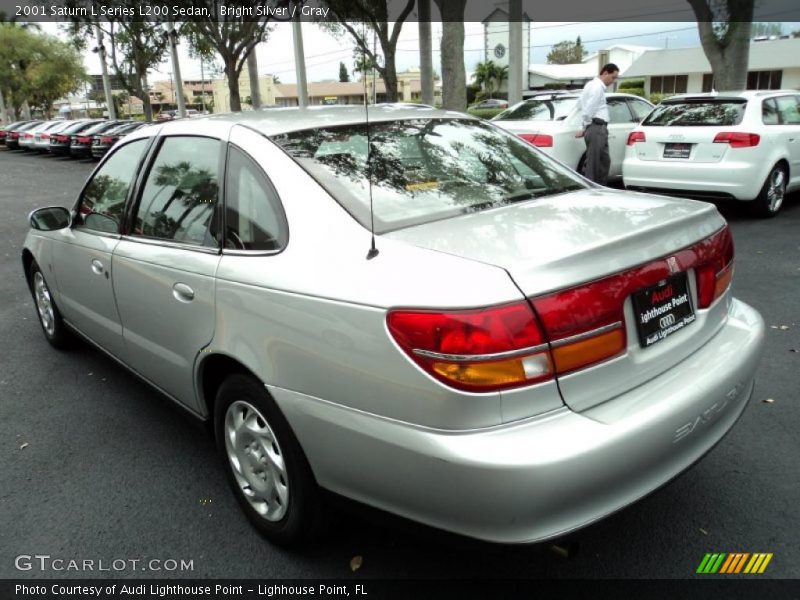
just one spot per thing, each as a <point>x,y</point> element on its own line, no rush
<point>496,39</point>
<point>773,64</point>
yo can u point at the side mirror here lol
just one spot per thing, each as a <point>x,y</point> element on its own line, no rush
<point>50,218</point>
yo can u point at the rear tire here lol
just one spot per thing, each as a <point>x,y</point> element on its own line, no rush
<point>53,327</point>
<point>769,201</point>
<point>264,462</point>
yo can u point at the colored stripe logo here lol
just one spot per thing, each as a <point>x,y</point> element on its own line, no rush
<point>734,562</point>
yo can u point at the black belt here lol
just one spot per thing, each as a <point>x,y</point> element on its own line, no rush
<point>597,121</point>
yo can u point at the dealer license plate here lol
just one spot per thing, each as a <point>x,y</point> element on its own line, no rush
<point>662,309</point>
<point>677,150</point>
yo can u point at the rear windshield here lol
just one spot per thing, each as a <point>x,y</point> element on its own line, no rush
<point>424,170</point>
<point>552,109</point>
<point>700,113</point>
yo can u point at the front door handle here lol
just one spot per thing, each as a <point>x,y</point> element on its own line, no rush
<point>97,267</point>
<point>182,292</point>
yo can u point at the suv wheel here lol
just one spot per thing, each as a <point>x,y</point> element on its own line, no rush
<point>770,199</point>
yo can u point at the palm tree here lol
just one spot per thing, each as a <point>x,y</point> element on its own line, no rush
<point>490,76</point>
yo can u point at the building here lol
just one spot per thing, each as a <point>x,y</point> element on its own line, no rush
<point>496,39</point>
<point>773,64</point>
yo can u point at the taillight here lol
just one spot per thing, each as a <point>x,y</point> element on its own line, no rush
<point>62,138</point>
<point>106,140</point>
<point>737,139</point>
<point>715,272</point>
<point>14,135</point>
<point>45,136</point>
<point>28,136</point>
<point>538,139</point>
<point>636,136</point>
<point>478,350</point>
<point>81,139</point>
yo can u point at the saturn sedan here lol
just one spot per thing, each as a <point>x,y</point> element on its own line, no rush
<point>419,311</point>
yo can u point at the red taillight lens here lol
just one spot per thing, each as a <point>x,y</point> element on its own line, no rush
<point>715,270</point>
<point>45,136</point>
<point>14,135</point>
<point>82,139</point>
<point>28,136</point>
<point>106,140</point>
<point>478,350</point>
<point>636,136</point>
<point>538,139</point>
<point>737,139</point>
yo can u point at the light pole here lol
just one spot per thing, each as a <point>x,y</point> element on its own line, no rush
<point>176,68</point>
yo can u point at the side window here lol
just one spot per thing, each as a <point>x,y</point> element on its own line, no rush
<point>254,219</point>
<point>180,193</point>
<point>769,112</point>
<point>640,109</point>
<point>103,201</point>
<point>788,110</point>
<point>618,111</point>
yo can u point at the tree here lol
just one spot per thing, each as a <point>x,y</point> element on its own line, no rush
<point>490,76</point>
<point>766,29</point>
<point>232,38</point>
<point>724,28</point>
<point>135,47</point>
<point>344,76</point>
<point>37,68</point>
<point>566,53</point>
<point>454,77</point>
<point>373,14</point>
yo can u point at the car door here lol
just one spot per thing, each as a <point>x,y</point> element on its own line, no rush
<point>164,267</point>
<point>83,259</point>
<point>620,124</point>
<point>789,114</point>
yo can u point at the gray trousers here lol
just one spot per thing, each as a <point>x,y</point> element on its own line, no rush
<point>598,160</point>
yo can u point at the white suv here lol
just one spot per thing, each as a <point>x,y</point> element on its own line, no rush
<point>722,145</point>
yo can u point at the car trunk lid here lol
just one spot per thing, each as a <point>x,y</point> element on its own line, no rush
<point>557,249</point>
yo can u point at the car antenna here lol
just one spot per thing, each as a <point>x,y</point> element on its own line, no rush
<point>373,251</point>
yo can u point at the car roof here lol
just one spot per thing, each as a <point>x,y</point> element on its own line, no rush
<point>746,94</point>
<point>275,121</point>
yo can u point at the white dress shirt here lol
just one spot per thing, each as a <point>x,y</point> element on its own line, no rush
<point>593,101</point>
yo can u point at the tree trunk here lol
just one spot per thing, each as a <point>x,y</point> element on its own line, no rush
<point>454,78</point>
<point>729,53</point>
<point>232,75</point>
<point>144,94</point>
<point>425,51</point>
<point>252,70</point>
<point>389,75</point>
<point>3,111</point>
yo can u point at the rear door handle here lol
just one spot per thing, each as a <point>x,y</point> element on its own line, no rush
<point>182,292</point>
<point>97,267</point>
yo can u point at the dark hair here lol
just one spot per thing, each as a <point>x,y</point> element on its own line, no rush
<point>609,68</point>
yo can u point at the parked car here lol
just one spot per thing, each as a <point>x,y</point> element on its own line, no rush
<point>490,103</point>
<point>13,135</point>
<point>550,123</point>
<point>5,131</point>
<point>80,144</point>
<point>102,143</point>
<point>515,353</point>
<point>741,146</point>
<point>41,140</point>
<point>27,140</point>
<point>61,141</point>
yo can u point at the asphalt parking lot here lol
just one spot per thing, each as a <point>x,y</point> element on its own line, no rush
<point>96,465</point>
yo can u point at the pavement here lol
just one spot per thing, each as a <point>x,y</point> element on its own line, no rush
<point>95,465</point>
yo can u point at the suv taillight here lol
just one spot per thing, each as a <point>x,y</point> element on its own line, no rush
<point>636,136</point>
<point>737,139</point>
<point>480,350</point>
<point>538,139</point>
<point>714,268</point>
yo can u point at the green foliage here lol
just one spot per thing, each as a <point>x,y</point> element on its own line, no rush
<point>631,83</point>
<point>637,91</point>
<point>473,90</point>
<point>761,29</point>
<point>485,113</point>
<point>490,76</point>
<point>37,68</point>
<point>344,76</point>
<point>657,98</point>
<point>566,52</point>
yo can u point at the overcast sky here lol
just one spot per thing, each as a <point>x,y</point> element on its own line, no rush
<point>324,52</point>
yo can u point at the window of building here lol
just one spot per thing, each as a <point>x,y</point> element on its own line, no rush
<point>764,80</point>
<point>669,84</point>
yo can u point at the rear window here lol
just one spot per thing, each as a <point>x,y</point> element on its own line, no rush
<point>423,170</point>
<point>700,113</point>
<point>552,109</point>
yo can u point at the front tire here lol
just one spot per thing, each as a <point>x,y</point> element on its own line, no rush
<point>53,327</point>
<point>264,462</point>
<point>770,199</point>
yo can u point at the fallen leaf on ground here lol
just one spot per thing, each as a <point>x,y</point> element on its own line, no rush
<point>23,446</point>
<point>703,531</point>
<point>784,327</point>
<point>769,400</point>
<point>356,562</point>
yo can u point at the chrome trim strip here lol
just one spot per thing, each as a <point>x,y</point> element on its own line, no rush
<point>481,357</point>
<point>232,252</point>
<point>168,244</point>
<point>587,334</point>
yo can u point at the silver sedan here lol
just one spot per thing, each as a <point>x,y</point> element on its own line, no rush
<point>421,312</point>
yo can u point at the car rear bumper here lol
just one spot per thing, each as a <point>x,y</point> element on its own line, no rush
<point>738,180</point>
<point>541,477</point>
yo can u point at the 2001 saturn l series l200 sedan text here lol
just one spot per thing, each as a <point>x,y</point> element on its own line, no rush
<point>521,353</point>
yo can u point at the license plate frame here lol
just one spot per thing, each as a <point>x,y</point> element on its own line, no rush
<point>663,309</point>
<point>677,150</point>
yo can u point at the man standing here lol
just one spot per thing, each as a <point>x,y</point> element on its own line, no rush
<point>594,115</point>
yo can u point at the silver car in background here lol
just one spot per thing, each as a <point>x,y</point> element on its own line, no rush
<point>514,354</point>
